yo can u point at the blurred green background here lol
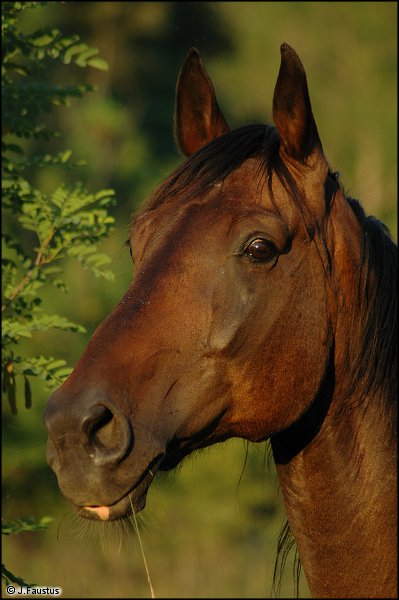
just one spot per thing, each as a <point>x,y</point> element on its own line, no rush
<point>210,528</point>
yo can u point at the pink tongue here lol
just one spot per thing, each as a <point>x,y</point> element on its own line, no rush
<point>101,511</point>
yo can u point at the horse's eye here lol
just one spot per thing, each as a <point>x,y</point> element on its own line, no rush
<point>261,250</point>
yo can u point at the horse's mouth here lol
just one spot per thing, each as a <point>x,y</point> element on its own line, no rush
<point>121,508</point>
<point>134,499</point>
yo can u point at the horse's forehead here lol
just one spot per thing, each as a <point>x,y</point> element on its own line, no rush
<point>249,187</point>
<point>244,189</point>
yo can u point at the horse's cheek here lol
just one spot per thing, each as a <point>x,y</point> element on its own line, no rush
<point>275,380</point>
<point>298,369</point>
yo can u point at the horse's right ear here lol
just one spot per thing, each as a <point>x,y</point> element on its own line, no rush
<point>198,118</point>
<point>292,111</point>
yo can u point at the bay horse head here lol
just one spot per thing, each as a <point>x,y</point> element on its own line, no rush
<point>255,311</point>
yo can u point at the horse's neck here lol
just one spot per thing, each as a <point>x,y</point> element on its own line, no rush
<point>340,497</point>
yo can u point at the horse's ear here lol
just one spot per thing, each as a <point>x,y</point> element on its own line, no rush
<point>198,118</point>
<point>292,111</point>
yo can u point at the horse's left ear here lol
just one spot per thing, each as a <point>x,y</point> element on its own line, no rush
<point>198,118</point>
<point>292,111</point>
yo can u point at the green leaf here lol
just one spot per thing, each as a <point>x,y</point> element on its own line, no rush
<point>48,321</point>
<point>44,37</point>
<point>98,63</point>
<point>14,330</point>
<point>74,49</point>
<point>65,156</point>
<point>23,525</point>
<point>52,371</point>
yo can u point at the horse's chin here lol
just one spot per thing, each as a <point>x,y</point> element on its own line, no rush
<point>133,500</point>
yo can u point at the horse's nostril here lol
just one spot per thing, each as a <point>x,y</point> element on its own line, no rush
<point>98,424</point>
<point>106,434</point>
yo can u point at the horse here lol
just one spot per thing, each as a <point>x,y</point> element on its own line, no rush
<point>263,306</point>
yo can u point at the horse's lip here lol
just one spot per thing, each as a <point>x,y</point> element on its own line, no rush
<point>116,511</point>
<point>136,497</point>
<point>123,506</point>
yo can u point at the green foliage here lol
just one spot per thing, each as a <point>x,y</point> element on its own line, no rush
<point>29,524</point>
<point>41,228</point>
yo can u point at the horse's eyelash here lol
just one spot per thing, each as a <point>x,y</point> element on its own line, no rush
<point>128,244</point>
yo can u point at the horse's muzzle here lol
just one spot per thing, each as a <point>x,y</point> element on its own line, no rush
<point>101,465</point>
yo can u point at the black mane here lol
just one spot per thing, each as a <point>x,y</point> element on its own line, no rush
<point>376,364</point>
